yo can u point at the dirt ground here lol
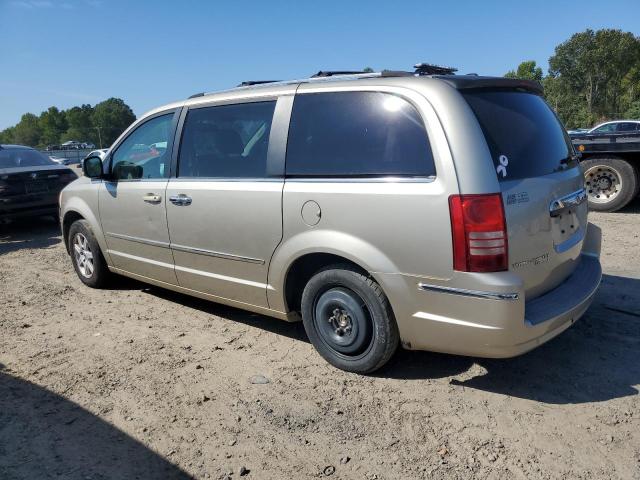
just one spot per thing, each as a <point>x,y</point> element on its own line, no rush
<point>138,382</point>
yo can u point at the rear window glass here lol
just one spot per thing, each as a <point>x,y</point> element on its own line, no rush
<point>524,136</point>
<point>23,157</point>
<point>351,134</point>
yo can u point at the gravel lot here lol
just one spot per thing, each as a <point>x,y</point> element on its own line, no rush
<point>138,382</point>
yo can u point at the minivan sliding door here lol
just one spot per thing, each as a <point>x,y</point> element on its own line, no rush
<point>224,207</point>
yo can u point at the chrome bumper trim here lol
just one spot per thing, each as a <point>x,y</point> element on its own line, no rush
<point>468,293</point>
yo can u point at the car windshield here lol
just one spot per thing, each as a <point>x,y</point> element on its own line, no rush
<point>23,157</point>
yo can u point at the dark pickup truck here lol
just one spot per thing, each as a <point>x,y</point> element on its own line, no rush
<point>611,161</point>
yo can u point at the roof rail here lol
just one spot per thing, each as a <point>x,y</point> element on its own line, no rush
<point>332,73</point>
<point>249,83</point>
<point>195,95</point>
<point>430,69</point>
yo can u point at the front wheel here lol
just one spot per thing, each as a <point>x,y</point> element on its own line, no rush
<point>86,255</point>
<point>349,319</point>
<point>611,183</point>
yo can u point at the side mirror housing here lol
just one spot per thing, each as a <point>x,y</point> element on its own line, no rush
<point>92,167</point>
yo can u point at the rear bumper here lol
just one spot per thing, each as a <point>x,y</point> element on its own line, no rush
<point>497,322</point>
<point>32,211</point>
<point>29,205</point>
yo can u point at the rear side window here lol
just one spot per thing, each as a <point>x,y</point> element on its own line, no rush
<point>524,136</point>
<point>626,127</point>
<point>227,141</point>
<point>357,134</point>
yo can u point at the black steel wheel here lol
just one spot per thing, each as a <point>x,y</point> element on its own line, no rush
<point>349,319</point>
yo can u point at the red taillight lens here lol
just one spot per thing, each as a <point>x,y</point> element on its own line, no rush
<point>479,233</point>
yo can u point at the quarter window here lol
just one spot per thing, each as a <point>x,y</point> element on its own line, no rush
<point>143,154</point>
<point>357,134</point>
<point>227,141</point>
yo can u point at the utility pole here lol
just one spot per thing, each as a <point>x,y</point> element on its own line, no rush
<point>99,136</point>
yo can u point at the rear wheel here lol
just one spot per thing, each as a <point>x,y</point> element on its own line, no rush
<point>349,320</point>
<point>611,183</point>
<point>86,256</point>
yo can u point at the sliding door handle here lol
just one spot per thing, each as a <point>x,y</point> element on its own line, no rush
<point>152,198</point>
<point>180,200</point>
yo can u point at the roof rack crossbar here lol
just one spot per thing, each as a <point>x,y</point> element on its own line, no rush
<point>249,83</point>
<point>430,69</point>
<point>333,73</point>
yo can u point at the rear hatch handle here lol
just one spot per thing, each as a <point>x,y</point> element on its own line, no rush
<point>560,205</point>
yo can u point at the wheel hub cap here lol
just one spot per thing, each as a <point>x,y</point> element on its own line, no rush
<point>343,321</point>
<point>340,321</point>
<point>603,183</point>
<point>83,255</point>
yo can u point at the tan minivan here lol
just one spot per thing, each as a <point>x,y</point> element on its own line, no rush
<point>443,212</point>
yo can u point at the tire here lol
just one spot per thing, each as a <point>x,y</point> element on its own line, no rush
<point>86,255</point>
<point>349,320</point>
<point>611,183</point>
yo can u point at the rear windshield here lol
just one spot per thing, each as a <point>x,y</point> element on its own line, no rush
<point>22,157</point>
<point>524,136</point>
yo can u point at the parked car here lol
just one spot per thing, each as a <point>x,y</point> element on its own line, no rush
<point>441,212</point>
<point>88,145</point>
<point>71,145</point>
<point>59,160</point>
<point>611,160</point>
<point>30,182</point>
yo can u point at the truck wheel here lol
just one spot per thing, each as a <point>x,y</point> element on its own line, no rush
<point>611,183</point>
<point>349,320</point>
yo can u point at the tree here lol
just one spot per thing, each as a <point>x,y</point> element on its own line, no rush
<point>80,123</point>
<point>53,124</point>
<point>367,70</point>
<point>27,131</point>
<point>6,135</point>
<point>111,118</point>
<point>527,70</point>
<point>598,67</point>
<point>633,112</point>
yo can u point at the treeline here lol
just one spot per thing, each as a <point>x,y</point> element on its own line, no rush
<point>99,125</point>
<point>594,76</point>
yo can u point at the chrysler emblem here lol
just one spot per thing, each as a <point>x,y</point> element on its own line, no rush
<point>34,175</point>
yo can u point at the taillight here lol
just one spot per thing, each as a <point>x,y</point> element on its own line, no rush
<point>479,233</point>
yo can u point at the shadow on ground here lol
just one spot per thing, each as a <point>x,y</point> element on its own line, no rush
<point>632,207</point>
<point>44,435</point>
<point>597,359</point>
<point>36,232</point>
<point>294,331</point>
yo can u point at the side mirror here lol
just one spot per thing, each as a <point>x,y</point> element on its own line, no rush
<point>92,167</point>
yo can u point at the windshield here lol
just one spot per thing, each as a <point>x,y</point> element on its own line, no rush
<point>525,137</point>
<point>23,157</point>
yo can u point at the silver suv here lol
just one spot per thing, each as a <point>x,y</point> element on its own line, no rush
<point>443,212</point>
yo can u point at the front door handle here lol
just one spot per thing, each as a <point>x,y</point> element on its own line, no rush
<point>180,200</point>
<point>152,198</point>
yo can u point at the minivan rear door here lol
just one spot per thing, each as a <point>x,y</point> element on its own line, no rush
<point>541,183</point>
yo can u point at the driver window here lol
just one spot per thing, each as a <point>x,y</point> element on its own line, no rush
<point>608,128</point>
<point>143,154</point>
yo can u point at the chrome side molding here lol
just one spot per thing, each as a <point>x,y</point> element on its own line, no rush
<point>468,293</point>
<point>211,253</point>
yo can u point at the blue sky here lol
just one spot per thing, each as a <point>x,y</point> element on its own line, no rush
<point>69,52</point>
